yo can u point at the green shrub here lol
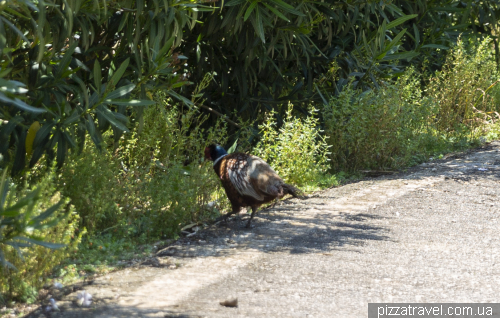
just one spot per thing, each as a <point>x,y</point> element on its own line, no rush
<point>376,129</point>
<point>400,124</point>
<point>155,179</point>
<point>72,68</point>
<point>466,89</point>
<point>35,218</point>
<point>165,161</point>
<point>297,150</point>
<point>92,181</point>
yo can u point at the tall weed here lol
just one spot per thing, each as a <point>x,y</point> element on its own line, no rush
<point>465,89</point>
<point>297,150</point>
<point>166,162</point>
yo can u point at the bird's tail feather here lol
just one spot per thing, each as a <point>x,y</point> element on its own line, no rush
<point>295,192</point>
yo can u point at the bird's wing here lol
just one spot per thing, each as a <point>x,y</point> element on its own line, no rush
<point>252,176</point>
<point>239,171</point>
<point>264,178</point>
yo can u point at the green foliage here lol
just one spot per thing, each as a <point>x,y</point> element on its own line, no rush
<point>153,182</point>
<point>400,124</point>
<point>33,220</point>
<point>372,129</point>
<point>74,67</point>
<point>166,162</point>
<point>296,150</point>
<point>70,69</point>
<point>266,53</point>
<point>466,88</point>
<point>92,182</point>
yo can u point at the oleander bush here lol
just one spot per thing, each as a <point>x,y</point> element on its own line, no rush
<point>33,220</point>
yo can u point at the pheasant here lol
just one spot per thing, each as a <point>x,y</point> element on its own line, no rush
<point>248,180</point>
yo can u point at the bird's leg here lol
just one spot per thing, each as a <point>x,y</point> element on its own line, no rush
<point>254,209</point>
<point>274,203</point>
<point>226,216</point>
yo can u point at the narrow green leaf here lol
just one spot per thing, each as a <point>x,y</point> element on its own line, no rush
<point>325,102</point>
<point>81,65</point>
<point>287,8</point>
<point>15,210</point>
<point>401,56</point>
<point>166,47</point>
<point>233,147</point>
<point>435,46</point>
<point>97,76</point>
<point>64,62</point>
<point>42,133</point>
<point>13,28</point>
<point>259,27</point>
<point>83,88</point>
<point>90,125</point>
<point>249,10</point>
<point>391,45</point>
<point>282,4</point>
<point>275,11</point>
<point>401,20</point>
<point>129,102</point>
<point>109,115</point>
<point>69,139</point>
<point>20,104</point>
<point>417,35</point>
<point>119,72</point>
<point>180,97</point>
<point>121,91</point>
<point>74,116</point>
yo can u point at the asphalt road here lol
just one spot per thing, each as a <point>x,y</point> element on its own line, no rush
<point>430,234</point>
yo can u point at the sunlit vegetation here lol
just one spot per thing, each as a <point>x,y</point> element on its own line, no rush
<point>107,106</point>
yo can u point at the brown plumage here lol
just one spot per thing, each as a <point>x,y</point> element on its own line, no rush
<point>248,180</point>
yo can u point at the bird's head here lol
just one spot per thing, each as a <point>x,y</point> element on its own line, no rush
<point>213,152</point>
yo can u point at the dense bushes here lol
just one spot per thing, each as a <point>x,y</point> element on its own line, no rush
<point>74,71</point>
<point>404,122</point>
<point>71,68</point>
<point>267,53</point>
<point>154,180</point>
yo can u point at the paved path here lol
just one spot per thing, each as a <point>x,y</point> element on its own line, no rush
<point>428,235</point>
